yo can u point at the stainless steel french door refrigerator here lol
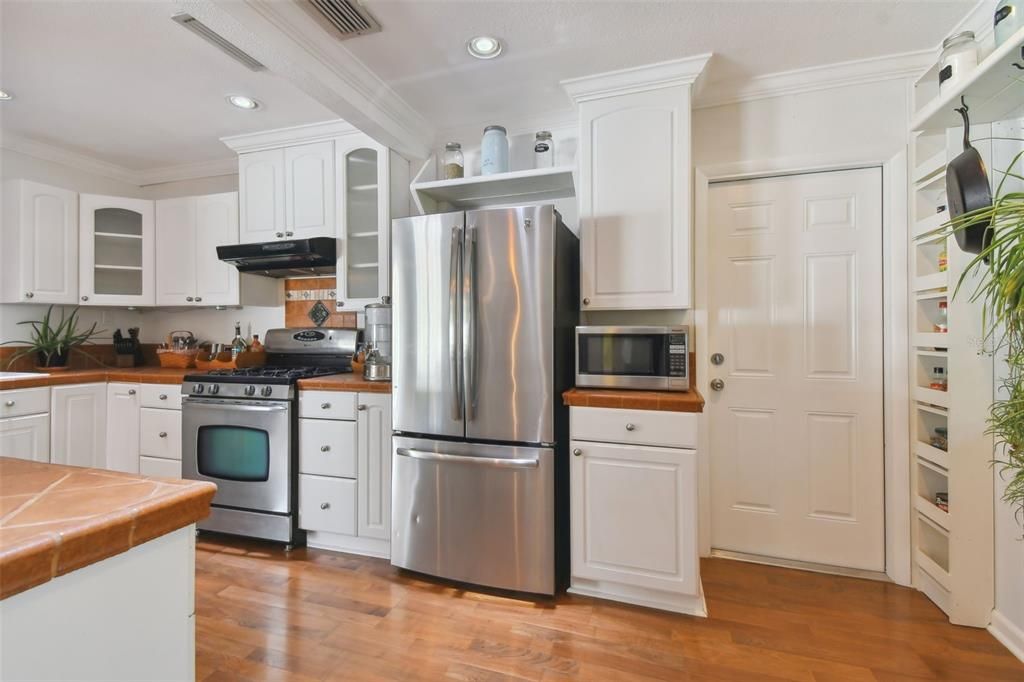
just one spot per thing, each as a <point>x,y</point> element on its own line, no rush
<point>485,304</point>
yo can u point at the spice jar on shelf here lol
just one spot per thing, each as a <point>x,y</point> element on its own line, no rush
<point>943,258</point>
<point>454,162</point>
<point>959,57</point>
<point>942,324</point>
<point>938,380</point>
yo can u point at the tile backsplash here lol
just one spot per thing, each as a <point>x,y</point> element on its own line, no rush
<point>300,295</point>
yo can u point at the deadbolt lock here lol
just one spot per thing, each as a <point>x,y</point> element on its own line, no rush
<point>717,359</point>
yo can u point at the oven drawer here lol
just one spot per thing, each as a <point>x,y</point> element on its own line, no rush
<point>327,448</point>
<point>162,396</point>
<point>327,504</point>
<point>22,401</point>
<point>163,468</point>
<point>642,427</point>
<point>160,433</point>
<point>327,405</point>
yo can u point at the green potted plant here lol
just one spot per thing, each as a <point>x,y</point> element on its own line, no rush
<point>52,344</point>
<point>1000,288</point>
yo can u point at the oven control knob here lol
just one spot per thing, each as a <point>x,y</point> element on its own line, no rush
<point>198,388</point>
<point>266,391</point>
<point>250,390</point>
<point>214,389</point>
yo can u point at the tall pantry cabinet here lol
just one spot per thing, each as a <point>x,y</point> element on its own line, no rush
<point>635,186</point>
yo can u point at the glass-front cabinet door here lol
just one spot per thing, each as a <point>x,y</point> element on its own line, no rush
<point>116,257</point>
<point>365,221</point>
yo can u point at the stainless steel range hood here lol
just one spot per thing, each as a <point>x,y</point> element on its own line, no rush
<point>291,258</point>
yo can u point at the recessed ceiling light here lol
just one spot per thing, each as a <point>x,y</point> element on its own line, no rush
<point>243,102</point>
<point>4,95</point>
<point>484,47</point>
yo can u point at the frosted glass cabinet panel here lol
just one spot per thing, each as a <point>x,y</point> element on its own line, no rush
<point>363,264</point>
<point>116,261</point>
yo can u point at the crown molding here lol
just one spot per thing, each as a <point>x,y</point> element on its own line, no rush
<point>66,157</point>
<point>811,79</point>
<point>187,171</point>
<point>636,79</point>
<point>280,137</point>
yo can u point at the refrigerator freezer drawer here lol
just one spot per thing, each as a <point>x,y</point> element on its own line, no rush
<point>481,514</point>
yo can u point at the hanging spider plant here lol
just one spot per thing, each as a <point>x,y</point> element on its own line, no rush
<point>1000,289</point>
<point>52,344</point>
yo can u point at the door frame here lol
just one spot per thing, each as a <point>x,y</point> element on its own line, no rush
<point>895,338</point>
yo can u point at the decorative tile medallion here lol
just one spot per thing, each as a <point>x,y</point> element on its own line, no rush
<point>319,313</point>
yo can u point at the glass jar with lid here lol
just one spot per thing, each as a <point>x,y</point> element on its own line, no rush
<point>494,151</point>
<point>454,163</point>
<point>959,57</point>
<point>543,150</point>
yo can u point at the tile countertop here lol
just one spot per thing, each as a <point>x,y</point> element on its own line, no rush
<point>663,401</point>
<point>55,519</point>
<point>162,375</point>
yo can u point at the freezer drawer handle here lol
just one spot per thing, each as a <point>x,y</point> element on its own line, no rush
<point>462,459</point>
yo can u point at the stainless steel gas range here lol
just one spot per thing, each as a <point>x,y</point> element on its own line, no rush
<point>240,431</point>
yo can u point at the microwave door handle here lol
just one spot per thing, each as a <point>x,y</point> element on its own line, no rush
<point>503,463</point>
<point>454,323</point>
<point>469,345</point>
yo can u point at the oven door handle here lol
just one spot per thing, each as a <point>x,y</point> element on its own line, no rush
<point>231,407</point>
<point>463,459</point>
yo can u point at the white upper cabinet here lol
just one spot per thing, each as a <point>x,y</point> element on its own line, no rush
<point>363,169</point>
<point>188,232</point>
<point>261,195</point>
<point>40,237</point>
<point>309,190</point>
<point>116,251</point>
<point>635,187</point>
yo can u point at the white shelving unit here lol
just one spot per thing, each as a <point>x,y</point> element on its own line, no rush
<point>950,451</point>
<point>516,187</point>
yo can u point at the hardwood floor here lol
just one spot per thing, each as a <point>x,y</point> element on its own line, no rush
<point>323,616</point>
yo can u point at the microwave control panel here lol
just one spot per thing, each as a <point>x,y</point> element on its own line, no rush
<point>677,355</point>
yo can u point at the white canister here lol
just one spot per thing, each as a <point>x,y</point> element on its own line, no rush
<point>959,57</point>
<point>1007,20</point>
<point>494,151</point>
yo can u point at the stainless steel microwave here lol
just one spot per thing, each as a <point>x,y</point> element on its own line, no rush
<point>649,358</point>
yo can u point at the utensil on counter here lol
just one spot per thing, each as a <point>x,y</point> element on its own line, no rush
<point>376,367</point>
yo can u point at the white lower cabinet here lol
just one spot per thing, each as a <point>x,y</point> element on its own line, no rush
<point>634,509</point>
<point>160,430</point>
<point>156,466</point>
<point>25,424</point>
<point>345,471</point>
<point>78,419</point>
<point>123,427</point>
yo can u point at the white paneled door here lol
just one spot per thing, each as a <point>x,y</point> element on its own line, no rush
<point>795,310</point>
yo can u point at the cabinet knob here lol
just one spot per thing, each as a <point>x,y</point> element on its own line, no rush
<point>325,406</point>
<point>85,298</point>
<point>9,403</point>
<point>361,408</point>
<point>577,452</point>
<point>188,298</point>
<point>131,391</point>
<point>630,427</point>
<point>29,294</point>
<point>325,505</point>
<point>279,234</point>
<point>325,448</point>
<point>198,299</point>
<point>586,301</point>
<point>163,396</point>
<point>163,434</point>
<point>288,234</point>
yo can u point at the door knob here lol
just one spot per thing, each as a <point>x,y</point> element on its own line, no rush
<point>325,505</point>
<point>577,452</point>
<point>630,427</point>
<point>325,448</point>
<point>717,384</point>
<point>717,359</point>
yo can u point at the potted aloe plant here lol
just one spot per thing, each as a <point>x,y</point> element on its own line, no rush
<point>51,343</point>
<point>1000,288</point>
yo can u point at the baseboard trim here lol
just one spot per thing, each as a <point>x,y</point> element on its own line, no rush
<point>801,565</point>
<point>349,544</point>
<point>1008,634</point>
<point>690,605</point>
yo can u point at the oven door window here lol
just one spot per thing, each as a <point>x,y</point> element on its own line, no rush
<point>233,453</point>
<point>638,355</point>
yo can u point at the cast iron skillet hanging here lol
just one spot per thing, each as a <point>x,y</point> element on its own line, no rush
<point>967,190</point>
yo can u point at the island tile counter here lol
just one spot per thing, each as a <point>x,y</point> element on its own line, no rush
<point>56,519</point>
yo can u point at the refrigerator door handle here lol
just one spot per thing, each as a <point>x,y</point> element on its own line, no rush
<point>469,346</point>
<point>463,459</point>
<point>454,323</point>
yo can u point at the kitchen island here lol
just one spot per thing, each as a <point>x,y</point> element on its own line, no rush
<point>97,573</point>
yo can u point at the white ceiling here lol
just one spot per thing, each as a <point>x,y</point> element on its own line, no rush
<point>421,52</point>
<point>120,82</point>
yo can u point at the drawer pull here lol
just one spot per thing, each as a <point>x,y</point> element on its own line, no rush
<point>325,448</point>
<point>630,427</point>
<point>325,505</point>
<point>131,391</point>
<point>9,403</point>
<point>577,452</point>
<point>163,396</point>
<point>163,434</point>
<point>361,408</point>
<point>325,406</point>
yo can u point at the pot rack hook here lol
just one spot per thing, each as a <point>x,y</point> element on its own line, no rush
<point>1020,66</point>
<point>962,110</point>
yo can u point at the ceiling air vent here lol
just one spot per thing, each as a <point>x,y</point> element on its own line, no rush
<point>349,18</point>
<point>218,41</point>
